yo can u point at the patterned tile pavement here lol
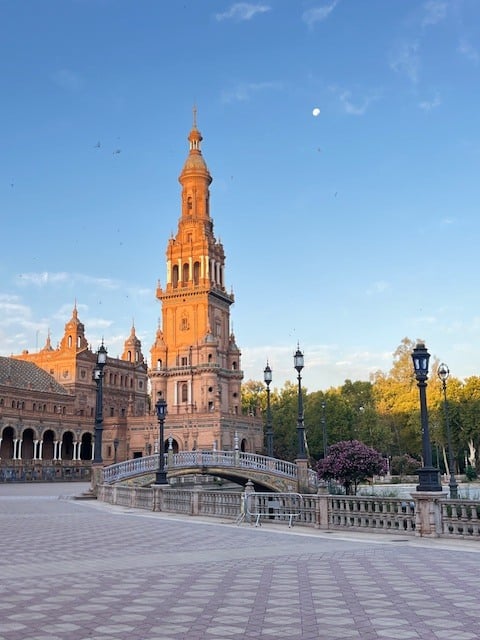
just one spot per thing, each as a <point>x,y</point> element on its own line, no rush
<point>83,570</point>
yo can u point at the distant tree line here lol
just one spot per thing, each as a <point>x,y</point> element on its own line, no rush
<point>383,413</point>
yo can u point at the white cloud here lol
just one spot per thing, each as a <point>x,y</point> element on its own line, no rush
<point>47,278</point>
<point>242,11</point>
<point>357,107</point>
<point>468,50</point>
<point>435,11</point>
<point>428,105</point>
<point>244,91</point>
<point>311,16</point>
<point>404,59</point>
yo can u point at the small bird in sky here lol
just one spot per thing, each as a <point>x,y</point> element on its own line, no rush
<point>98,145</point>
<point>117,151</point>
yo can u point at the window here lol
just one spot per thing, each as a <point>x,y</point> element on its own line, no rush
<point>184,392</point>
<point>184,361</point>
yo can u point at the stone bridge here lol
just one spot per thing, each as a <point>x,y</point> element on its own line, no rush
<point>236,466</point>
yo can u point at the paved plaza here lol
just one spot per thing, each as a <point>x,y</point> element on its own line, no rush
<point>83,570</point>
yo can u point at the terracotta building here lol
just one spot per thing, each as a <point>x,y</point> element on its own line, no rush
<point>195,362</point>
<point>195,367</point>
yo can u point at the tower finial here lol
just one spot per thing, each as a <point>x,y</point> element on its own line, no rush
<point>194,116</point>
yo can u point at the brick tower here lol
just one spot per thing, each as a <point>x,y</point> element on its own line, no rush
<point>195,362</point>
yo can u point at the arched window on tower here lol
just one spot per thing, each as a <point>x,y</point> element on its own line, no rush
<point>184,392</point>
<point>189,203</point>
<point>69,342</point>
<point>159,364</point>
<point>186,272</point>
<point>175,275</point>
<point>234,365</point>
<point>196,272</point>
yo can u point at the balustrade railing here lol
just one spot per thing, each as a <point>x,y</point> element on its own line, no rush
<point>374,514</point>
<point>198,459</point>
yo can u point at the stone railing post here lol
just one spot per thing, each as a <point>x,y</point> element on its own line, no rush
<point>194,508</point>
<point>321,516</point>
<point>302,475</point>
<point>96,477</point>
<point>158,496</point>
<point>249,488</point>
<point>428,516</point>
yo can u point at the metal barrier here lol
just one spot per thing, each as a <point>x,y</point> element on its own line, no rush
<point>272,506</point>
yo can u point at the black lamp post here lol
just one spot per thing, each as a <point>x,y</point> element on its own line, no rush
<point>298,365</point>
<point>443,373</point>
<point>324,430</point>
<point>161,408</point>
<point>98,377</point>
<point>116,442</point>
<point>429,477</point>
<point>267,376</point>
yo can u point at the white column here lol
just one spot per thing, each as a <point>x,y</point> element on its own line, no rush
<point>20,443</point>
<point>40,451</point>
<point>35,448</point>
<point>169,271</point>
<point>15,449</point>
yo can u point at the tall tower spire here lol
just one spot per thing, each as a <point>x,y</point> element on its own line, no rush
<point>195,361</point>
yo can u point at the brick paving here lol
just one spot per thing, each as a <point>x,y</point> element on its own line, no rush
<point>83,570</point>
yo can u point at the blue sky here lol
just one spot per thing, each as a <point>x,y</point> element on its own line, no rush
<point>344,232</point>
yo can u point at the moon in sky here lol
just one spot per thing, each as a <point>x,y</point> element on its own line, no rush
<point>316,112</point>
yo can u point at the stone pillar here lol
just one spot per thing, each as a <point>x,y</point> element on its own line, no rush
<point>428,521</point>
<point>302,475</point>
<point>195,500</point>
<point>158,496</point>
<point>97,477</point>
<point>249,489</point>
<point>321,516</point>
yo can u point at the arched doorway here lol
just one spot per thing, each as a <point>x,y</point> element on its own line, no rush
<point>86,447</point>
<point>6,447</point>
<point>67,446</point>
<point>47,449</point>
<point>27,444</point>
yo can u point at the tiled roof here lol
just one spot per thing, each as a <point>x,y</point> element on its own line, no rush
<point>26,375</point>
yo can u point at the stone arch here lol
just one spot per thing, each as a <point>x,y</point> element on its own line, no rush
<point>175,445</point>
<point>86,447</point>
<point>6,446</point>
<point>48,444</point>
<point>28,446</point>
<point>67,446</point>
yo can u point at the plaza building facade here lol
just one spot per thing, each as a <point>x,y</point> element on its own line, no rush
<point>47,398</point>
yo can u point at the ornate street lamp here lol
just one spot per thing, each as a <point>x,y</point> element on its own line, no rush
<point>161,409</point>
<point>324,429</point>
<point>443,373</point>
<point>98,377</point>
<point>429,477</point>
<point>298,365</point>
<point>267,376</point>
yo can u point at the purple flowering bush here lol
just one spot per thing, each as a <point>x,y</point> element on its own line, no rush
<point>349,462</point>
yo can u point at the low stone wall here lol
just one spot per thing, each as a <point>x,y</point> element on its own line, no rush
<point>425,514</point>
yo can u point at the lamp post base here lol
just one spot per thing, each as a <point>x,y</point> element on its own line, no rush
<point>429,479</point>
<point>161,477</point>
